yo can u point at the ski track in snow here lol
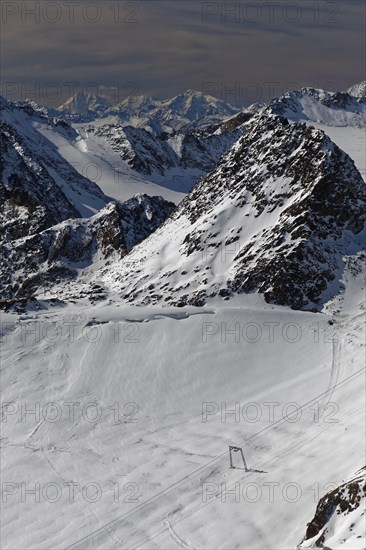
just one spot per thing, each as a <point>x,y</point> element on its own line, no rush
<point>179,541</point>
<point>180,503</point>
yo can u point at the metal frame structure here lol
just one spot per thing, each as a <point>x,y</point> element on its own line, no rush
<point>233,448</point>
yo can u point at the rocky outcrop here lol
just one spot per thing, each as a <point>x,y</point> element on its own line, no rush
<point>61,253</point>
<point>159,155</point>
<point>340,514</point>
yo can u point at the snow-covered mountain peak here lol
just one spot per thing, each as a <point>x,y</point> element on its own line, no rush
<point>274,216</point>
<point>329,108</point>
<point>358,90</point>
<point>148,112</point>
<point>194,105</point>
<point>133,103</point>
<point>85,104</point>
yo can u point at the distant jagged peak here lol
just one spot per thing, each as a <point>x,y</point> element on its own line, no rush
<point>320,106</point>
<point>83,103</point>
<point>135,102</point>
<point>358,90</point>
<point>193,104</point>
<point>173,112</point>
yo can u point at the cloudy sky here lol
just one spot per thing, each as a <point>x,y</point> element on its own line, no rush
<point>238,51</point>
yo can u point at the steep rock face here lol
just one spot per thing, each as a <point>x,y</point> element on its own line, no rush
<point>275,216</point>
<point>62,252</point>
<point>149,154</point>
<point>339,517</point>
<point>33,169</point>
<point>301,254</point>
<point>142,151</point>
<point>30,199</point>
<point>203,152</point>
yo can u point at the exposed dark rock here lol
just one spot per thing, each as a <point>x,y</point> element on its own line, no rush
<point>341,501</point>
<point>61,252</point>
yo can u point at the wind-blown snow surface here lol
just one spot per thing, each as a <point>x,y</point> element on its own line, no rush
<point>160,369</point>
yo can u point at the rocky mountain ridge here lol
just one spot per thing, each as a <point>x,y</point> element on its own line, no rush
<point>54,222</point>
<point>69,249</point>
<point>145,112</point>
<point>280,208</point>
<point>275,216</point>
<point>148,154</point>
<point>330,108</point>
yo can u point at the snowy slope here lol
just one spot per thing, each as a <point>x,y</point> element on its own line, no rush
<point>117,408</point>
<point>165,369</point>
<point>94,156</point>
<point>123,160</point>
<point>45,234</point>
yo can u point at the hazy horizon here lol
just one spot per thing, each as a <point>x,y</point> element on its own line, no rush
<point>240,52</point>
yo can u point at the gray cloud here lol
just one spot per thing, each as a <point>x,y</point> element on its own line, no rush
<point>180,44</point>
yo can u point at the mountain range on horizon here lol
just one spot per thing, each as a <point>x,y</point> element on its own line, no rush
<point>53,153</point>
<point>107,96</point>
<point>171,113</point>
